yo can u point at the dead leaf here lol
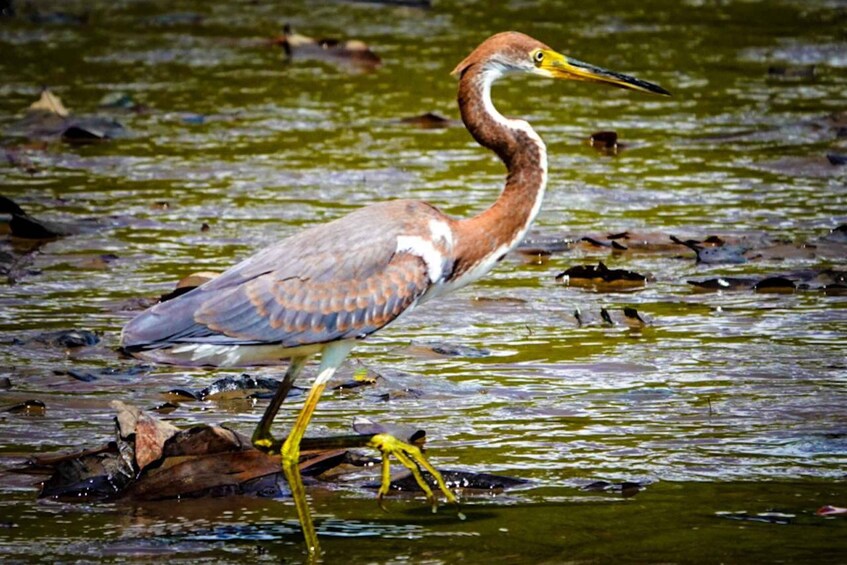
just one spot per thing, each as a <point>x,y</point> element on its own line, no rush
<point>150,433</point>
<point>198,474</point>
<point>150,437</point>
<point>205,440</point>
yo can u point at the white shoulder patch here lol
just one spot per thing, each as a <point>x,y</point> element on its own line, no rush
<point>441,231</point>
<point>432,258</point>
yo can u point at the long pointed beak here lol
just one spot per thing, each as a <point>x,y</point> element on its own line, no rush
<point>556,65</point>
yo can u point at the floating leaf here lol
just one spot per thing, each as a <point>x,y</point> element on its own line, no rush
<point>601,278</point>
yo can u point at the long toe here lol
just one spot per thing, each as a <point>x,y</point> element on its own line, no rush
<point>413,459</point>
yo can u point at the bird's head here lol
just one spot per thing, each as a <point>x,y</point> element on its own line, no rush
<point>512,51</point>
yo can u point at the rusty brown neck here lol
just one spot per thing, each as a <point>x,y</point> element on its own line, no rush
<point>484,239</point>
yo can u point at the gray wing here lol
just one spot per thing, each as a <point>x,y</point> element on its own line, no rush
<point>339,280</point>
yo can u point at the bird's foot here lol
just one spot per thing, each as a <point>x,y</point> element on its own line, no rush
<point>413,459</point>
<point>266,443</point>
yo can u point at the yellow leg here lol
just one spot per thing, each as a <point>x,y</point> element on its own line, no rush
<point>331,358</point>
<point>290,466</point>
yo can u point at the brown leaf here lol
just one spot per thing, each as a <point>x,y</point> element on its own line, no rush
<point>205,440</point>
<point>150,438</point>
<point>184,476</point>
<point>150,433</point>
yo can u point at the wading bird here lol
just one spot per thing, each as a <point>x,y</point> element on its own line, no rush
<point>328,287</point>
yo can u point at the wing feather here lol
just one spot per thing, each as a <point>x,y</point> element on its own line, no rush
<point>340,280</point>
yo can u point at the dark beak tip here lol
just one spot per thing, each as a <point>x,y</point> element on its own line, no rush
<point>662,91</point>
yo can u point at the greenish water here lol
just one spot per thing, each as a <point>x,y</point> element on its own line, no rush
<point>728,402</point>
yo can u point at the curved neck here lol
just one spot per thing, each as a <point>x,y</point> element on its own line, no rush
<point>487,237</point>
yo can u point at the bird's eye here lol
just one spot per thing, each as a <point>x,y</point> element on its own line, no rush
<point>539,56</point>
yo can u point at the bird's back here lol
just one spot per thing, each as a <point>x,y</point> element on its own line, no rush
<point>340,280</point>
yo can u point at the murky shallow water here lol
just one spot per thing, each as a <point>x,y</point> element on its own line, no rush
<point>729,401</point>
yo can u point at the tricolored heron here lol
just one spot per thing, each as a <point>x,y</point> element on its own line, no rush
<point>325,288</point>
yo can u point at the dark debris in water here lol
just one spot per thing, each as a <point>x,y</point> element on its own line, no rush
<point>771,517</point>
<point>715,251</point>
<point>779,285</point>
<point>837,159</point>
<point>24,226</point>
<point>628,316</point>
<point>601,278</point>
<point>725,283</point>
<point>229,387</point>
<point>458,480</point>
<point>429,120</point>
<point>830,281</point>
<point>709,250</point>
<point>153,460</point>
<point>127,374</point>
<point>536,246</point>
<point>27,407</point>
<point>69,339</point>
<point>48,119</point>
<point>451,349</point>
<point>606,142</point>
<point>626,489</point>
<point>243,385</point>
<point>837,234</point>
<point>792,72</point>
<point>351,53</point>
